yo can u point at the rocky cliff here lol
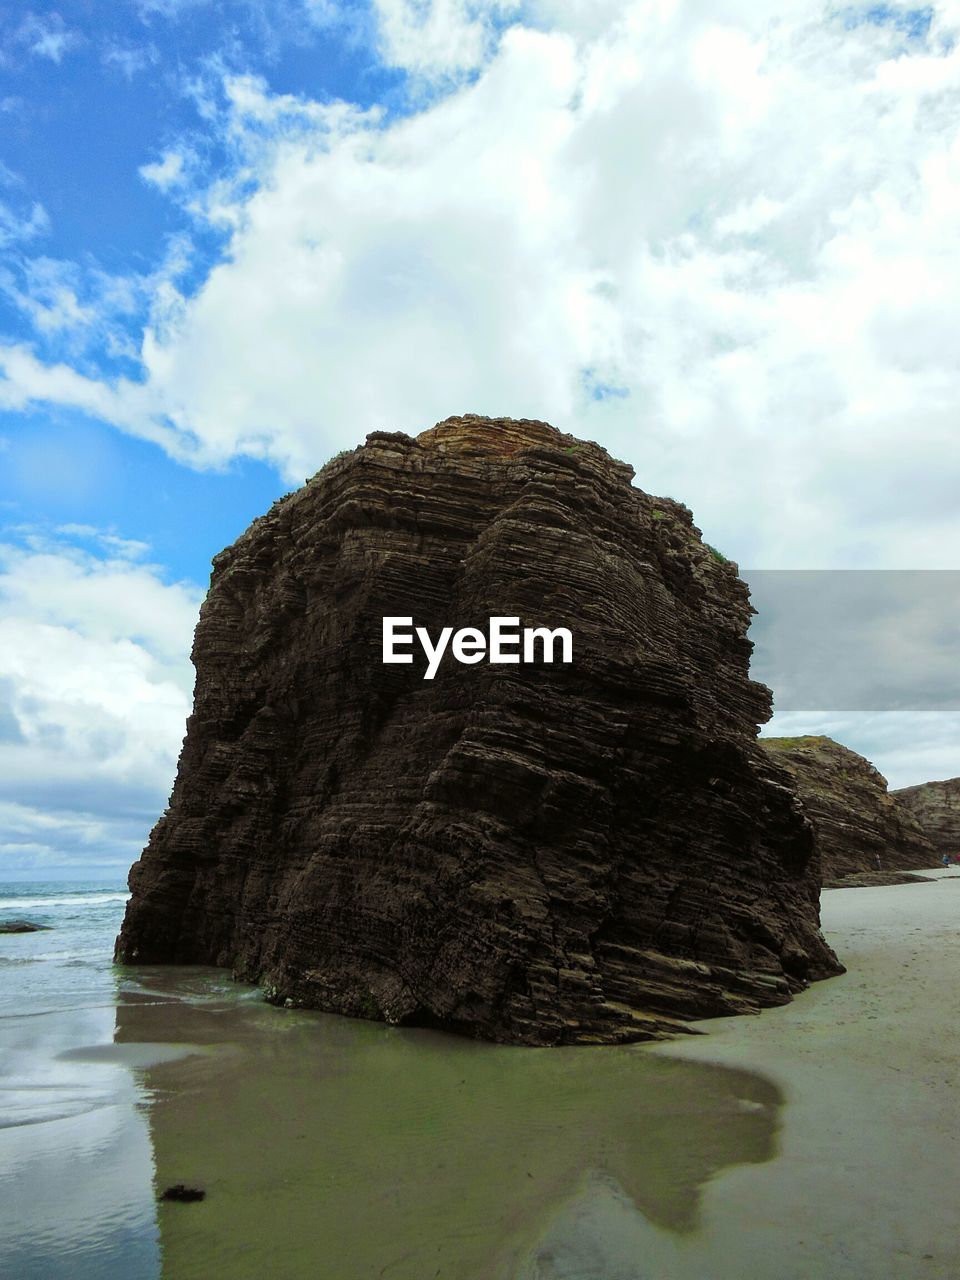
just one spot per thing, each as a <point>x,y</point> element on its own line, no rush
<point>536,853</point>
<point>855,818</point>
<point>936,808</point>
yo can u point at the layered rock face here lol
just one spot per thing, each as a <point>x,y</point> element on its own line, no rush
<point>936,808</point>
<point>855,818</point>
<point>532,853</point>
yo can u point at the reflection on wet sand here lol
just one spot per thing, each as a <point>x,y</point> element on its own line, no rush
<point>347,1149</point>
<point>76,1197</point>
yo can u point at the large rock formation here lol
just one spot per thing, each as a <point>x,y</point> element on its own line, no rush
<point>534,853</point>
<point>855,818</point>
<point>936,808</point>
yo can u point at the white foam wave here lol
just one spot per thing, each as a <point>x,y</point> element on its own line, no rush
<point>73,900</point>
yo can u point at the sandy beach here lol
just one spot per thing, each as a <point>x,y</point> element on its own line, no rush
<point>864,1183</point>
<point>816,1140</point>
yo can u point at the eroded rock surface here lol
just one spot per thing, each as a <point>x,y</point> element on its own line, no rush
<point>536,853</point>
<point>857,820</point>
<point>876,880</point>
<point>936,808</point>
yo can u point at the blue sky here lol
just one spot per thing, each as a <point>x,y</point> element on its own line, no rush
<point>236,237</point>
<point>92,93</point>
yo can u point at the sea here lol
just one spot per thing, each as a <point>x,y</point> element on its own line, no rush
<point>76,1174</point>
<point>69,964</point>
<point>326,1146</point>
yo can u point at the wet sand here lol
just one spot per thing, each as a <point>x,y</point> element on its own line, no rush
<point>346,1149</point>
<point>817,1140</point>
<point>76,1197</point>
<point>867,1181</point>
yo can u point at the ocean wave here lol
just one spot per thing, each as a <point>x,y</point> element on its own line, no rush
<point>73,900</point>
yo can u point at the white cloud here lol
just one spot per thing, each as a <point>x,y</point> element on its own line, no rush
<point>26,381</point>
<point>108,600</point>
<point>124,548</point>
<point>439,38</point>
<point>39,841</point>
<point>78,309</point>
<point>720,241</point>
<point>908,747</point>
<point>19,225</point>
<point>745,222</point>
<point>50,296</point>
<point>94,692</point>
<point>47,36</point>
<point>167,8</point>
<point>166,172</point>
<point>130,59</point>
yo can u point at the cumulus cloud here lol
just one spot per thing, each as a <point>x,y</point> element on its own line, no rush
<point>95,688</point>
<point>718,239</point>
<point>26,381</point>
<point>439,38</point>
<point>693,235</point>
